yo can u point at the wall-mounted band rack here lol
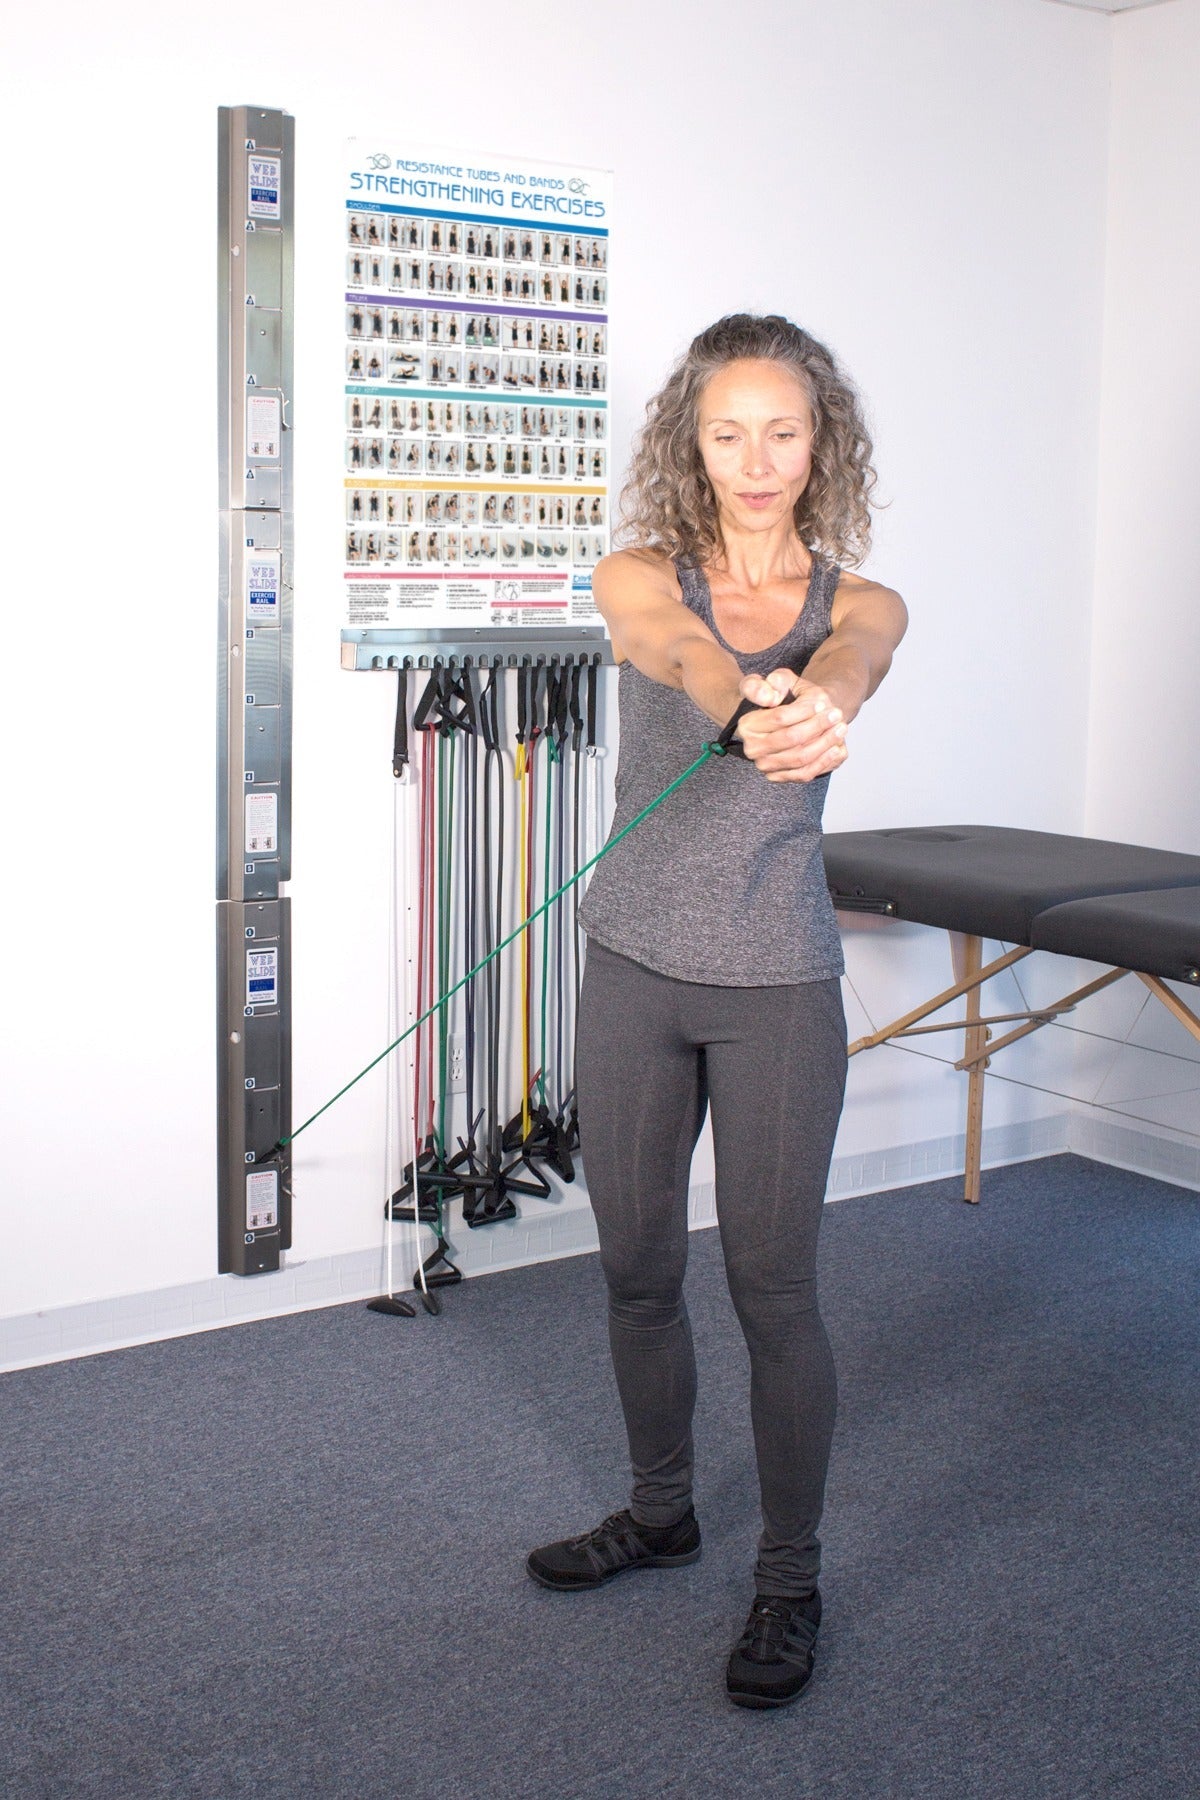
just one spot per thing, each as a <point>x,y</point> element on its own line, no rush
<point>477,649</point>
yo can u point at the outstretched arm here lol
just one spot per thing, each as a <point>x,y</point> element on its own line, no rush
<point>638,596</point>
<point>799,732</point>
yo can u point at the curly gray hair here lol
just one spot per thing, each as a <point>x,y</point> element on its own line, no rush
<point>667,503</point>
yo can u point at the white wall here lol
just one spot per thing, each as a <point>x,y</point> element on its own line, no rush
<point>923,184</point>
<point>1142,755</point>
<point>1142,759</point>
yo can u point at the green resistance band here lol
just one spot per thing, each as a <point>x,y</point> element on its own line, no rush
<point>718,748</point>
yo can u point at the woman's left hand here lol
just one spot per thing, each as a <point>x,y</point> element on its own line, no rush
<point>797,732</point>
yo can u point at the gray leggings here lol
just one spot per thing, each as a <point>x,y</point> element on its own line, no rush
<point>653,1053</point>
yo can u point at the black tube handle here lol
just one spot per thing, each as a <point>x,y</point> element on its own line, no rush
<point>728,744</point>
<point>590,703</point>
<point>400,732</point>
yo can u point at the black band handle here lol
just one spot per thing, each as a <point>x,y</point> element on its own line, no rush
<point>533,726</point>
<point>561,705</point>
<point>468,716</point>
<point>590,702</point>
<point>489,717</point>
<point>429,699</point>
<point>552,683</point>
<point>400,733</point>
<point>728,744</point>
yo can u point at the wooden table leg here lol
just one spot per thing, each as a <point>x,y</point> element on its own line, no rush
<point>966,953</point>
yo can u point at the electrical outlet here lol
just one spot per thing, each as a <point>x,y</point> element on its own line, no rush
<point>456,1064</point>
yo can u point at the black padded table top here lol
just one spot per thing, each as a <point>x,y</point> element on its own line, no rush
<point>994,880</point>
<point>1157,932</point>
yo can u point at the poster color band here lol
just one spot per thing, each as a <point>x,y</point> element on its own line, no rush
<point>476,389</point>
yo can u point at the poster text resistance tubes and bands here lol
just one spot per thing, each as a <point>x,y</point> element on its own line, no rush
<point>477,453</point>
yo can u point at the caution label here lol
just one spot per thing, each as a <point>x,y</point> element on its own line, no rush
<point>262,1199</point>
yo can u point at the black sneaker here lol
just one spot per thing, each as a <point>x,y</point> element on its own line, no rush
<point>772,1661</point>
<point>593,1558</point>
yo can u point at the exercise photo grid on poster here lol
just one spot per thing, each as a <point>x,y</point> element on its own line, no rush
<point>476,458</point>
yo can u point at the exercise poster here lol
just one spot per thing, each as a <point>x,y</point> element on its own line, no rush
<point>476,442</point>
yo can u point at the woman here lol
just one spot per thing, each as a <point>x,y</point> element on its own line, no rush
<point>713,965</point>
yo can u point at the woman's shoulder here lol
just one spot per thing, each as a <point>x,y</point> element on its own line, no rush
<point>645,571</point>
<point>637,592</point>
<point>858,594</point>
<point>848,579</point>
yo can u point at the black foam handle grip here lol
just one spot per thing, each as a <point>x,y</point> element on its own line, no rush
<point>727,744</point>
<point>400,732</point>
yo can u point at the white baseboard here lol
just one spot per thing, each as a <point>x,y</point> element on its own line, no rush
<point>1165,1156</point>
<point>544,1231</point>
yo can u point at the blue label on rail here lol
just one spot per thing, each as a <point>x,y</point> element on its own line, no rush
<point>262,977</point>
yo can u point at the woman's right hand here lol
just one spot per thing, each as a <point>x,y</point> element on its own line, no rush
<point>797,732</point>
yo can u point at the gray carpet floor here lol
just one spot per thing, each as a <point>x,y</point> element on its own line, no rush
<point>287,1558</point>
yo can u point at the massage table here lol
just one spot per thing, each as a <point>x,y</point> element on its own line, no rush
<point>1134,908</point>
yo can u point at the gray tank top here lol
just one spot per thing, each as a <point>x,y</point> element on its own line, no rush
<point>724,883</point>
